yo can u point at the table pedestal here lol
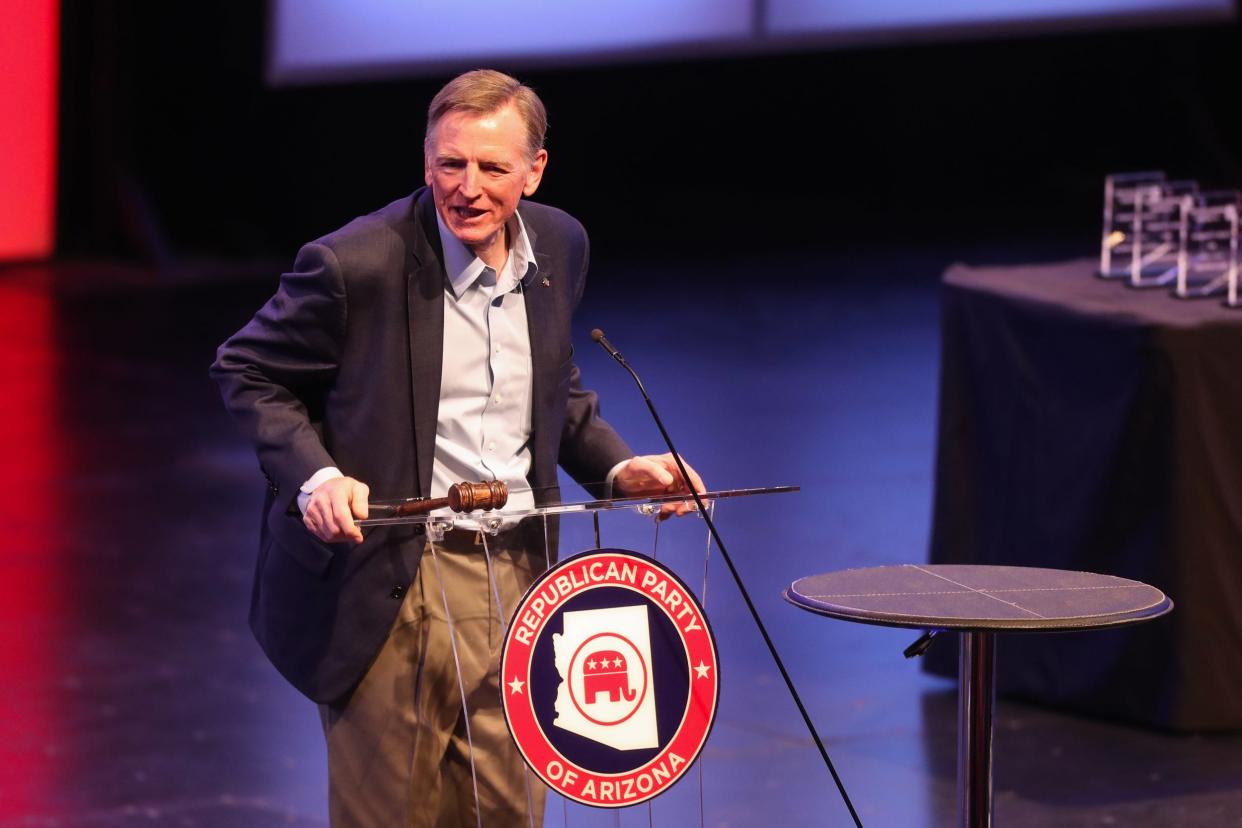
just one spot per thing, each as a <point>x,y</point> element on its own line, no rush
<point>976,703</point>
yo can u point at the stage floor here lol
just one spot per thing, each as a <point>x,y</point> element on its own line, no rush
<point>134,694</point>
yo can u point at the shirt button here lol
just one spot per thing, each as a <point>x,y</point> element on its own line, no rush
<point>398,592</point>
<point>491,446</point>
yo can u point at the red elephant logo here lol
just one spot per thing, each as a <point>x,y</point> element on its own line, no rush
<point>605,671</point>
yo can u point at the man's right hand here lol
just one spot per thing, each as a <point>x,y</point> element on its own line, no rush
<point>332,508</point>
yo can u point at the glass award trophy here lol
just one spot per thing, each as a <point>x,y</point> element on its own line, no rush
<point>1232,297</point>
<point>1209,257</point>
<point>1158,232</point>
<point>1121,195</point>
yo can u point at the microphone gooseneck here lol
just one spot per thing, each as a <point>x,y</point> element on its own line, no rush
<point>598,336</point>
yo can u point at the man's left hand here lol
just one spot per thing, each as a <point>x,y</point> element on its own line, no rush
<point>656,474</point>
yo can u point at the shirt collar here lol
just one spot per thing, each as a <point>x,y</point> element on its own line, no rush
<point>464,268</point>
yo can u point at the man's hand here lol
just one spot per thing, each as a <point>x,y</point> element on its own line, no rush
<point>332,508</point>
<point>656,474</point>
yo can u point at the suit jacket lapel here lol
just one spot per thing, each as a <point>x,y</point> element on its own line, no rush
<point>542,323</point>
<point>425,293</point>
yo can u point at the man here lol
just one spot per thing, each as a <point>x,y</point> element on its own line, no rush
<point>421,345</point>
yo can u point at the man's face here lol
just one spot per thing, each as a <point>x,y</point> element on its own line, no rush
<point>477,169</point>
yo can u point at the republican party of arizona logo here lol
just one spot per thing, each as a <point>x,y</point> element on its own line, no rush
<point>610,678</point>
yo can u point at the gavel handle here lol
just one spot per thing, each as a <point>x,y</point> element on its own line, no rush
<point>419,507</point>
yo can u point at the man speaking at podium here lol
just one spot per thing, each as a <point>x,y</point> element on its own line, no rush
<point>424,344</point>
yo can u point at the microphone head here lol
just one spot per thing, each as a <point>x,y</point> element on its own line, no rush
<point>599,337</point>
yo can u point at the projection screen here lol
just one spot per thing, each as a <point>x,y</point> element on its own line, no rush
<point>324,40</point>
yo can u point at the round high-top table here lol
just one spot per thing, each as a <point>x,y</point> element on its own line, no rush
<point>978,602</point>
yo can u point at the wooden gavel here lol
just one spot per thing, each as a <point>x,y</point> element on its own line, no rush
<point>462,497</point>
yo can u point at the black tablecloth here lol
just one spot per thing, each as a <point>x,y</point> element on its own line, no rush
<point>1086,425</point>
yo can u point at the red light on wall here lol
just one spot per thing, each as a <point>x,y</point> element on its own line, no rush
<point>29,53</point>
<point>33,566</point>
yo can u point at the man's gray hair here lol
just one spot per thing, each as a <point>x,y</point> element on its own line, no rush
<point>482,92</point>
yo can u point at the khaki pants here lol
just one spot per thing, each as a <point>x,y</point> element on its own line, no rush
<point>399,748</point>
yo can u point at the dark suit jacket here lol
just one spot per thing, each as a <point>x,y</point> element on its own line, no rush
<point>341,368</point>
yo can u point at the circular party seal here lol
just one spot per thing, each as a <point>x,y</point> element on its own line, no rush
<point>610,678</point>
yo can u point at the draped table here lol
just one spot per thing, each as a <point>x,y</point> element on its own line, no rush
<point>1085,425</point>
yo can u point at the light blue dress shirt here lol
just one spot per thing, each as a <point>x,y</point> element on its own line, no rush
<point>484,425</point>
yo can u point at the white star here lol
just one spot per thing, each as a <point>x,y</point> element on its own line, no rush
<point>616,662</point>
<point>591,664</point>
<point>515,686</point>
<point>702,669</point>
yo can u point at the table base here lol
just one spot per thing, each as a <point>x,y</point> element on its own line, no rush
<point>976,706</point>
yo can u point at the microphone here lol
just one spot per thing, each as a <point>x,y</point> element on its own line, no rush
<point>599,337</point>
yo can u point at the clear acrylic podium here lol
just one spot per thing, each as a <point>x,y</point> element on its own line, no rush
<point>489,524</point>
